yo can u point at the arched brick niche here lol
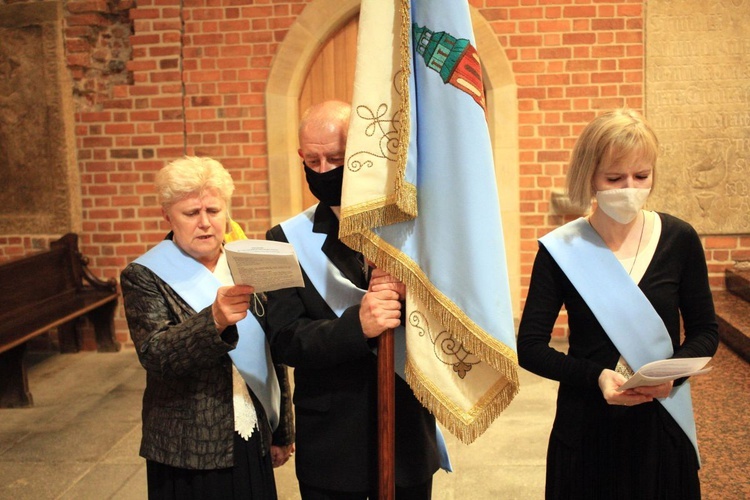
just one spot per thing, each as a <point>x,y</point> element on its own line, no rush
<point>317,22</point>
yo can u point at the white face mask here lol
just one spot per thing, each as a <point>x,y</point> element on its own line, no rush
<point>624,204</point>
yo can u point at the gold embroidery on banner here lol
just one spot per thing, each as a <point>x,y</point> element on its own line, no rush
<point>487,348</point>
<point>465,425</point>
<point>447,349</point>
<point>401,205</point>
<point>379,124</point>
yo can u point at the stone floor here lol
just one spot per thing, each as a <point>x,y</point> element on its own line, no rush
<point>721,400</point>
<point>80,440</point>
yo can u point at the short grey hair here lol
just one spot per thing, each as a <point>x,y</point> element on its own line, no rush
<point>190,175</point>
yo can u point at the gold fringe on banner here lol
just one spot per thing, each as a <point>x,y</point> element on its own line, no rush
<point>465,426</point>
<point>406,199</point>
<point>386,211</point>
<point>475,340</point>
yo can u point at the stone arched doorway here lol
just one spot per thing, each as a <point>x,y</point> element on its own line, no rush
<point>319,20</point>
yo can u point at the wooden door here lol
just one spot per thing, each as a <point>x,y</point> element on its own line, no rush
<point>331,76</point>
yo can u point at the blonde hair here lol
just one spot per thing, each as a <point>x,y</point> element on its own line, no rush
<point>607,139</point>
<point>190,175</point>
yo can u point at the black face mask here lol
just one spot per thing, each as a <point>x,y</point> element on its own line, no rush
<point>326,186</point>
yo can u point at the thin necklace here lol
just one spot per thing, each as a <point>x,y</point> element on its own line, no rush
<point>637,249</point>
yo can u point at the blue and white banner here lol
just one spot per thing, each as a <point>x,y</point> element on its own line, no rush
<point>420,200</point>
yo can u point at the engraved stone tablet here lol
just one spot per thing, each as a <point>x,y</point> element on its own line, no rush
<point>698,101</point>
<point>39,190</point>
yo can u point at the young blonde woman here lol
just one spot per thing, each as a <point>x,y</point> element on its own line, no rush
<point>628,278</point>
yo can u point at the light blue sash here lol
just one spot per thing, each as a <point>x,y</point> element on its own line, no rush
<point>335,288</point>
<point>629,319</point>
<point>192,281</point>
<point>338,292</point>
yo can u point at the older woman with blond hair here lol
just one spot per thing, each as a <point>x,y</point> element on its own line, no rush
<point>212,394</point>
<point>635,287</point>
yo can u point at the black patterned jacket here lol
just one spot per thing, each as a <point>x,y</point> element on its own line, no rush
<point>188,418</point>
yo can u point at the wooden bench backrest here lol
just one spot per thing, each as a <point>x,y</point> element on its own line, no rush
<point>41,276</point>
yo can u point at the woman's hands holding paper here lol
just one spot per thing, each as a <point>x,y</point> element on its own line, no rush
<point>610,381</point>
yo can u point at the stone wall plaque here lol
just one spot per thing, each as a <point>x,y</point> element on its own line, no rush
<point>39,187</point>
<point>698,101</point>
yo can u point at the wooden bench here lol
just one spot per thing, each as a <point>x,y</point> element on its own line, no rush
<point>47,290</point>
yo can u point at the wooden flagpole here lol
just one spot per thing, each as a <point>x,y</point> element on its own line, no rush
<point>386,417</point>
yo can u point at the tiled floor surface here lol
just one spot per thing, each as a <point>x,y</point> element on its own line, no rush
<point>80,440</point>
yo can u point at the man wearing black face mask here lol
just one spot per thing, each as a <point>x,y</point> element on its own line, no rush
<point>327,330</point>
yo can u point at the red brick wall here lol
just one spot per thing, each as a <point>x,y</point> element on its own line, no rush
<point>571,61</point>
<point>191,79</point>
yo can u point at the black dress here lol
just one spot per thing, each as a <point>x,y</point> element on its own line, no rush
<point>602,451</point>
<point>251,476</point>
